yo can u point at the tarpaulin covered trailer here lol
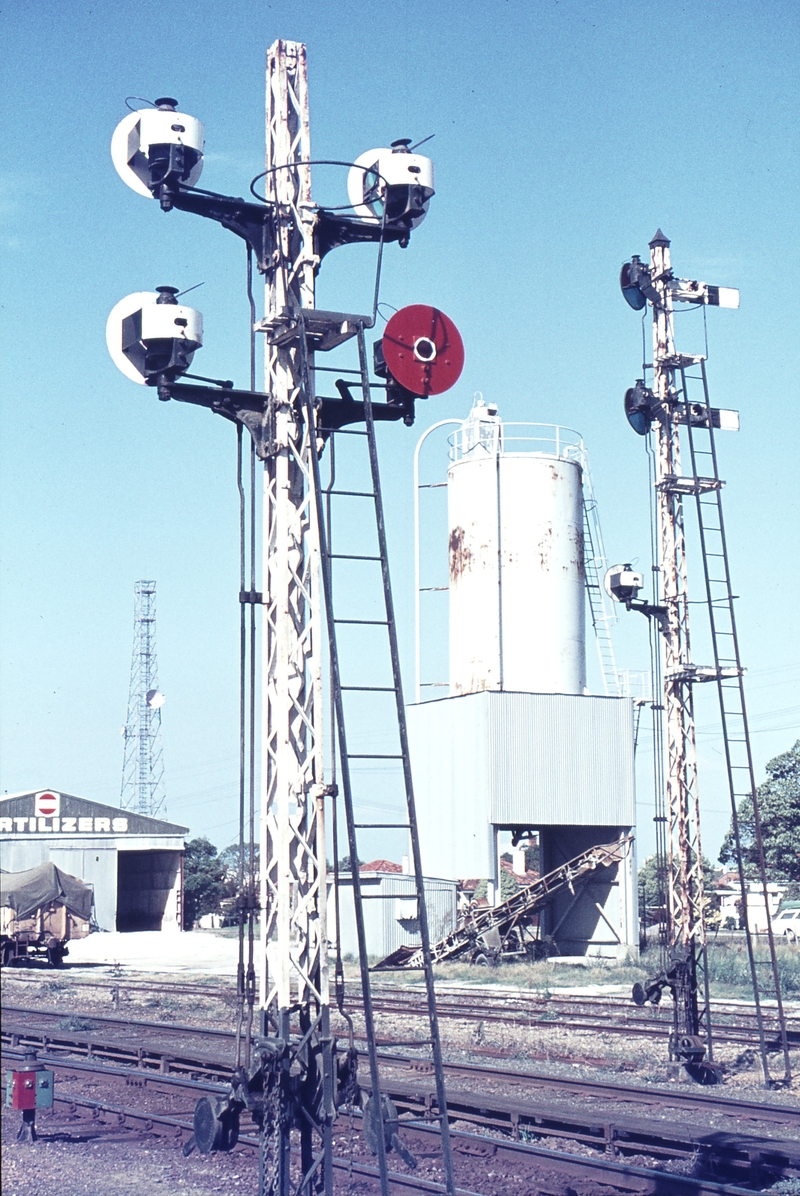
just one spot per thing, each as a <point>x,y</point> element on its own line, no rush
<point>41,909</point>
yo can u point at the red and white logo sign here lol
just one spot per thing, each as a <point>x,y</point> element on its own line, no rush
<point>47,805</point>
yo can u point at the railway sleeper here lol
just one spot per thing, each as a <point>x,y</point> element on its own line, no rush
<point>714,1153</point>
<point>466,1146</point>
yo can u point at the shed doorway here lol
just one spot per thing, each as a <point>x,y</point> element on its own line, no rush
<point>147,884</point>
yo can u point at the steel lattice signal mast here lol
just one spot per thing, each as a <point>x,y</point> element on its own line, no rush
<point>665,406</point>
<point>684,854</point>
<point>291,1082</point>
<point>293,884</point>
<point>669,407</point>
<point>143,761</point>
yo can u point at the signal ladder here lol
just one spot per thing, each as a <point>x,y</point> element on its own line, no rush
<point>400,757</point>
<point>706,487</point>
<point>595,565</point>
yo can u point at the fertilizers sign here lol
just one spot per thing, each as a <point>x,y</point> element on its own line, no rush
<point>49,812</point>
<point>47,817</point>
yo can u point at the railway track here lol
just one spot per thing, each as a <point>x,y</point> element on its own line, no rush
<point>208,1052</point>
<point>484,1164</point>
<point>733,1021</point>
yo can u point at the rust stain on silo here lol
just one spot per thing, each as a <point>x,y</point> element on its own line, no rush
<point>544,547</point>
<point>460,554</point>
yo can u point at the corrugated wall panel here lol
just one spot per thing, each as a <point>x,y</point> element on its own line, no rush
<point>560,759</point>
<point>449,743</point>
<point>540,759</point>
<point>389,897</point>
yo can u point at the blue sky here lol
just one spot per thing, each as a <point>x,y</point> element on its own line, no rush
<point>566,132</point>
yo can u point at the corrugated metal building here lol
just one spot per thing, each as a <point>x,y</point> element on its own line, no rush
<point>134,863</point>
<point>390,911</point>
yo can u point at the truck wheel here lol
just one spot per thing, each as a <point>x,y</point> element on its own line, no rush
<point>55,956</point>
<point>7,954</point>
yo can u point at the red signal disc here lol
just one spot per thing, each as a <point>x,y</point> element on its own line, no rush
<point>423,349</point>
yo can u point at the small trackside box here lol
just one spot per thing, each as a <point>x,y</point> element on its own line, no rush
<point>29,1089</point>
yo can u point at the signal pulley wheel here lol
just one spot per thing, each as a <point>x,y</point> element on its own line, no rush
<point>216,1127</point>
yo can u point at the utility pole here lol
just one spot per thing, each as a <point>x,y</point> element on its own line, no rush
<point>143,762</point>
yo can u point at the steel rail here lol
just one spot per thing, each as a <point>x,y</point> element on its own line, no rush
<point>157,1063</point>
<point>644,1027</point>
<point>154,1060</point>
<point>473,1147</point>
<point>506,996</point>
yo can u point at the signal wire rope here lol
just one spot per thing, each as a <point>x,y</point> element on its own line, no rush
<point>246,871</point>
<point>251,874</point>
<point>240,975</point>
<point>656,706</point>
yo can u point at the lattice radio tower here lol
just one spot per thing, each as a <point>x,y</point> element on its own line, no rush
<point>143,763</point>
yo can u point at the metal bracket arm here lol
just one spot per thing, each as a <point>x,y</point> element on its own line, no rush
<point>252,409</point>
<point>336,413</point>
<point>659,613</point>
<point>333,230</point>
<point>246,407</point>
<point>255,223</point>
<point>252,222</point>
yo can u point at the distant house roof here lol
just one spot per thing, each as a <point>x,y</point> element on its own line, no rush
<point>726,878</point>
<point>380,866</point>
<point>522,878</point>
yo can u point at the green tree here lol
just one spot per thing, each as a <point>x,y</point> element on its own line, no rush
<point>653,882</point>
<point>229,860</point>
<point>779,807</point>
<point>652,885</point>
<point>203,881</point>
<point>345,865</point>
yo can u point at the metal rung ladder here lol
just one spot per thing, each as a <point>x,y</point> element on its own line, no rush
<point>736,737</point>
<point>595,565</point>
<point>402,757</point>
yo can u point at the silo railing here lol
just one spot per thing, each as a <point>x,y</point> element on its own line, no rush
<point>490,438</point>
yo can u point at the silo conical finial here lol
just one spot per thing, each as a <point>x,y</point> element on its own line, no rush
<point>659,239</point>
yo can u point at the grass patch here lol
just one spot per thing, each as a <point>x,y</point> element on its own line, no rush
<point>543,975</point>
<point>729,972</point>
<point>729,968</point>
<point>76,1024</point>
<point>53,986</point>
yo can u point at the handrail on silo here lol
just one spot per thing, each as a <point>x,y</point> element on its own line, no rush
<point>417,588</point>
<point>563,443</point>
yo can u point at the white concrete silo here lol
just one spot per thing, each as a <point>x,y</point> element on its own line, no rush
<point>518,748</point>
<point>517,586</point>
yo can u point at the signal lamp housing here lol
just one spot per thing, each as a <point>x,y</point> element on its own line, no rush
<point>622,583</point>
<point>152,338</point>
<point>393,179</point>
<point>156,150</point>
<point>639,407</point>
<point>629,278</point>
